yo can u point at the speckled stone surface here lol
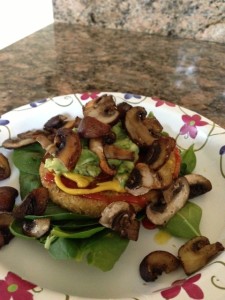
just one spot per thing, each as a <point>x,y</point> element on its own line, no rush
<point>63,59</point>
<point>201,20</point>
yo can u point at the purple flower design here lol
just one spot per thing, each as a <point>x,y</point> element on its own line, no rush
<point>14,287</point>
<point>189,285</point>
<point>160,102</point>
<point>4,122</point>
<point>128,96</point>
<point>222,150</point>
<point>38,102</point>
<point>190,125</point>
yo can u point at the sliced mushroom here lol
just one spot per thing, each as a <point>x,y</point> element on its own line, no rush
<point>46,144</point>
<point>153,125</point>
<point>138,132</point>
<point>96,146</point>
<point>35,203</point>
<point>5,170</point>
<point>197,252</point>
<point>55,123</point>
<point>6,219</point>
<point>174,199</point>
<point>199,185</point>
<point>37,227</point>
<point>68,147</point>
<point>121,217</point>
<point>22,139</point>
<point>158,153</point>
<point>91,127</point>
<point>5,236</point>
<point>103,108</point>
<point>157,262</point>
<point>112,151</point>
<point>141,180</point>
<point>8,196</point>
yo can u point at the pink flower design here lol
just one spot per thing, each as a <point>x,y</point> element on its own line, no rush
<point>14,287</point>
<point>160,102</point>
<point>87,95</point>
<point>191,124</point>
<point>189,285</point>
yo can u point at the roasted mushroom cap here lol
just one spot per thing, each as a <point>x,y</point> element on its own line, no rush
<point>120,217</point>
<point>5,170</point>
<point>138,132</point>
<point>68,147</point>
<point>103,109</point>
<point>55,123</point>
<point>157,262</point>
<point>34,203</point>
<point>174,198</point>
<point>199,185</point>
<point>37,227</point>
<point>91,127</point>
<point>6,219</point>
<point>8,196</point>
<point>196,253</point>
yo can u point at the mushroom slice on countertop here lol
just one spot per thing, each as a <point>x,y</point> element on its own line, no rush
<point>157,262</point>
<point>35,203</point>
<point>96,145</point>
<point>90,127</point>
<point>121,217</point>
<point>37,227</point>
<point>136,129</point>
<point>197,252</point>
<point>68,147</point>
<point>174,198</point>
<point>199,185</point>
<point>5,170</point>
<point>103,108</point>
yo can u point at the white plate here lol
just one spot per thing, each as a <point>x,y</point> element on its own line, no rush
<point>23,260</point>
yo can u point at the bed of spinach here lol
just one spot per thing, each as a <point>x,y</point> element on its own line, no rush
<point>81,238</point>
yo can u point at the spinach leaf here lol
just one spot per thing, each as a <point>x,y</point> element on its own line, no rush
<point>28,182</point>
<point>82,233</point>
<point>188,161</point>
<point>28,158</point>
<point>63,248</point>
<point>185,224</point>
<point>104,249</point>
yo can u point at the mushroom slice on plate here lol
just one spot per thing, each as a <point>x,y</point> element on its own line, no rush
<point>103,108</point>
<point>35,203</point>
<point>199,185</point>
<point>23,139</point>
<point>91,127</point>
<point>136,129</point>
<point>8,196</point>
<point>174,198</point>
<point>141,180</point>
<point>121,217</point>
<point>5,170</point>
<point>37,227</point>
<point>68,147</point>
<point>197,252</point>
<point>112,151</point>
<point>96,145</point>
<point>55,123</point>
<point>157,262</point>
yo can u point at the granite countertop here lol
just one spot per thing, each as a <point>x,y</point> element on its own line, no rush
<point>63,59</point>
